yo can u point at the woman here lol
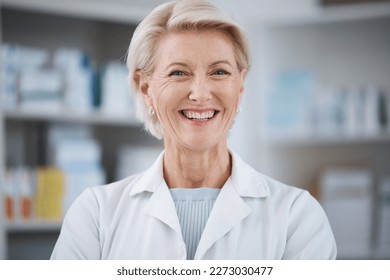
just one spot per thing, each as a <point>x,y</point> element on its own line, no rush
<point>188,61</point>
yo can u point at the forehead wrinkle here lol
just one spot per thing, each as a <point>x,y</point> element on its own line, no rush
<point>168,57</point>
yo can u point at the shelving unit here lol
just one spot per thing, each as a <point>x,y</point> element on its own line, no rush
<point>383,137</point>
<point>3,240</point>
<point>33,226</point>
<point>93,118</point>
<point>101,28</point>
<point>341,50</point>
<point>343,46</point>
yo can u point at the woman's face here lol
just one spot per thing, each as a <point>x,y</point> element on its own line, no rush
<point>195,88</point>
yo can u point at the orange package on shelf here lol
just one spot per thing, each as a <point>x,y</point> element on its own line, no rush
<point>9,207</point>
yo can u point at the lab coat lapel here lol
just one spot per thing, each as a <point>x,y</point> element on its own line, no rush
<point>160,204</point>
<point>230,208</point>
<point>228,212</point>
<point>161,207</point>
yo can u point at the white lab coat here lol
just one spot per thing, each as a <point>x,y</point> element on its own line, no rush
<point>254,217</point>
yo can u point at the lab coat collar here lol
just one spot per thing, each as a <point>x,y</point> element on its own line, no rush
<point>229,208</point>
<point>151,179</point>
<point>246,181</point>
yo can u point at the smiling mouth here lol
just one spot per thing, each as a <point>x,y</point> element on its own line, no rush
<point>197,116</point>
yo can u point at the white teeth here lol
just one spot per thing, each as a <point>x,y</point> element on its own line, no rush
<point>199,116</point>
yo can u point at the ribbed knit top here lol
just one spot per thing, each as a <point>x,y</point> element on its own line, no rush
<point>193,208</point>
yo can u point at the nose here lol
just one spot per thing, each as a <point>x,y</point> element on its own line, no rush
<point>200,91</point>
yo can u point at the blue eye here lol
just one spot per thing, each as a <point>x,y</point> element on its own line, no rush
<point>220,72</point>
<point>177,73</point>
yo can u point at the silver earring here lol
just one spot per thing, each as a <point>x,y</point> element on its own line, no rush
<point>151,111</point>
<point>238,110</point>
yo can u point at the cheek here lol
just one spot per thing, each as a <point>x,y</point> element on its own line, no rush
<point>156,90</point>
<point>229,93</point>
<point>166,98</point>
<point>170,94</point>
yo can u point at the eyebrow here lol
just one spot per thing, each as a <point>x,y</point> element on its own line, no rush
<point>186,65</point>
<point>176,64</point>
<point>221,62</point>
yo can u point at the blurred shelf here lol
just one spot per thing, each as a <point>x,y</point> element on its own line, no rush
<point>312,140</point>
<point>353,12</point>
<point>130,11</point>
<point>269,12</point>
<point>311,12</point>
<point>96,118</point>
<point>33,226</point>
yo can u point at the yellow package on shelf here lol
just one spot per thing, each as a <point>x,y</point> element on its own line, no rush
<point>49,194</point>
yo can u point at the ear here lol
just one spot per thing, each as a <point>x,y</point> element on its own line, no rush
<point>243,74</point>
<point>142,82</point>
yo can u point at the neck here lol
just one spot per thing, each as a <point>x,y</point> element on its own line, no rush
<point>184,168</point>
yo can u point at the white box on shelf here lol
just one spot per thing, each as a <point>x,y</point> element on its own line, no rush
<point>347,197</point>
<point>76,150</point>
<point>40,90</point>
<point>78,91</point>
<point>383,235</point>
<point>68,59</point>
<point>15,59</point>
<point>288,104</point>
<point>32,57</point>
<point>328,111</point>
<point>78,156</point>
<point>354,111</point>
<point>79,177</point>
<point>74,66</point>
<point>371,125</point>
<point>116,97</point>
<point>8,75</point>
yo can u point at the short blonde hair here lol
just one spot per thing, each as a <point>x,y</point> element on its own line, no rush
<point>177,16</point>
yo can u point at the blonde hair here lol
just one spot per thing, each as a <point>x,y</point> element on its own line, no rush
<point>177,16</point>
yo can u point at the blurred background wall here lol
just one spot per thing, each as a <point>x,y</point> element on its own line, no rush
<point>315,114</point>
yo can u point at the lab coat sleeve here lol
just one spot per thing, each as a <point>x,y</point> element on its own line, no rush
<point>309,234</point>
<point>79,236</point>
